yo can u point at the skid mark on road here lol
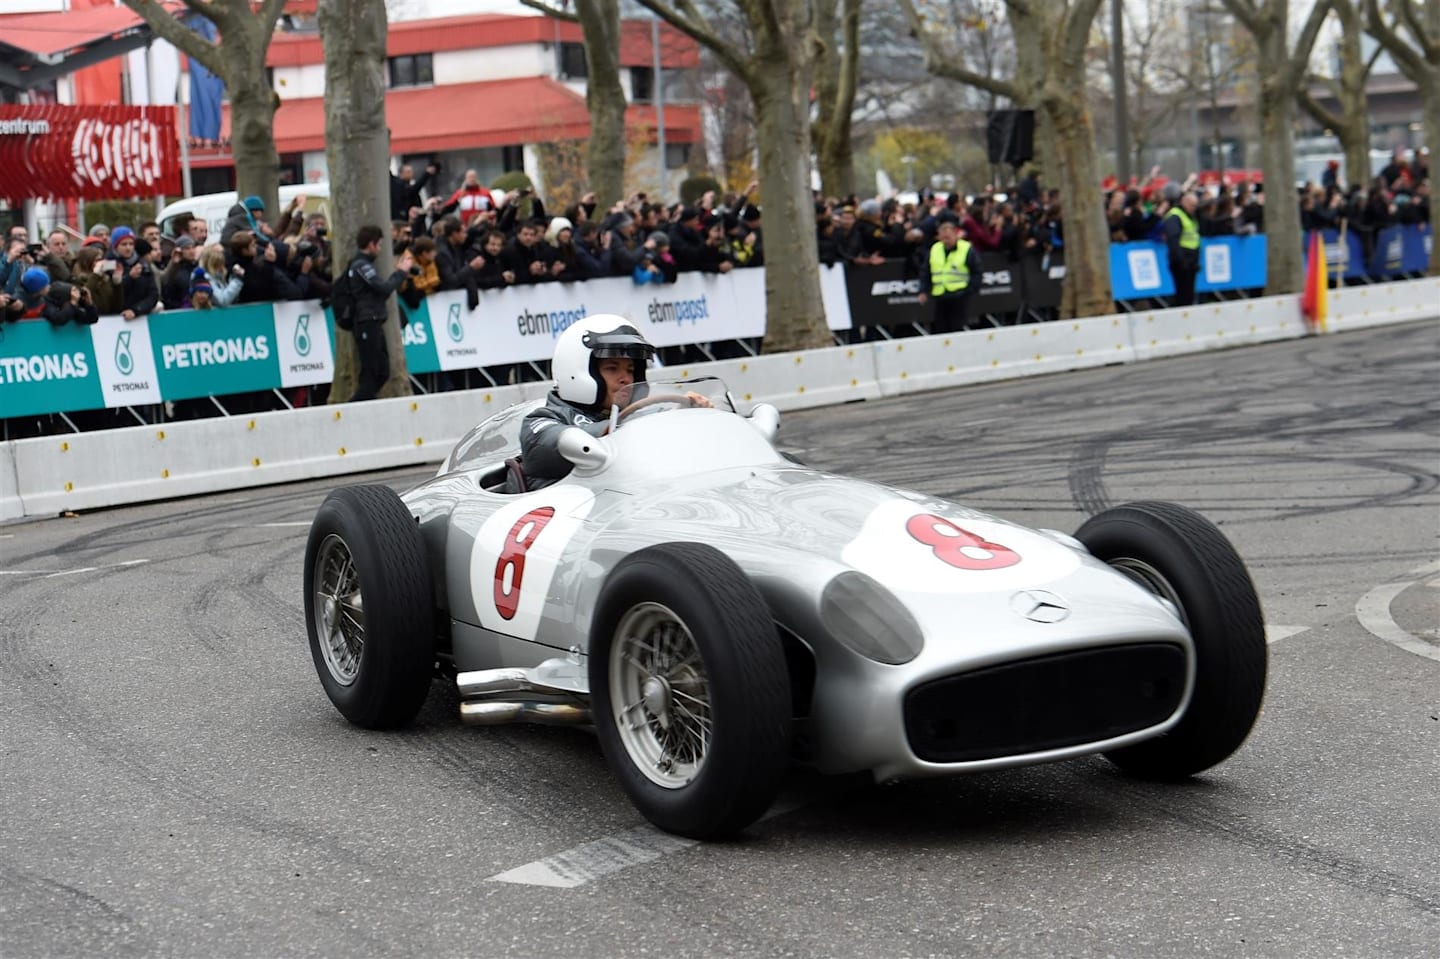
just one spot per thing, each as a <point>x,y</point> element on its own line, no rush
<point>1373,611</point>
<point>52,573</point>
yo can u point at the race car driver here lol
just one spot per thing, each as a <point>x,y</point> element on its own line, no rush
<point>597,363</point>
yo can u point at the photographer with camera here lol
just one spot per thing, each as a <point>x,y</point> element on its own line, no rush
<point>56,303</point>
<point>175,280</point>
<point>17,257</point>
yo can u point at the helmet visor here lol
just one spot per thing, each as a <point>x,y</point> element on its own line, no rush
<point>624,342</point>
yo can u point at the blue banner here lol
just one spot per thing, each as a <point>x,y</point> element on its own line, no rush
<point>1415,248</point>
<point>1232,263</point>
<point>1140,270</point>
<point>206,89</point>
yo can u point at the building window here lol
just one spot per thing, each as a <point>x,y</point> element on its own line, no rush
<point>677,155</point>
<point>572,61</point>
<point>642,84</point>
<point>417,70</point>
<point>512,158</point>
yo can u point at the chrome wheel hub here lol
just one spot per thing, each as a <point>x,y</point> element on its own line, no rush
<point>660,696</point>
<point>339,610</point>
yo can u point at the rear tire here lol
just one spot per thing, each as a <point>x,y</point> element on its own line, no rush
<point>369,606</point>
<point>1179,555</point>
<point>689,690</point>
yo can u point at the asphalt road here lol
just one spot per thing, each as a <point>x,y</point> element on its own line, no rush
<point>173,781</point>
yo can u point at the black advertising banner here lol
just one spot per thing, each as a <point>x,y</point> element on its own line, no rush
<point>998,288</point>
<point>883,295</point>
<point>1044,276</point>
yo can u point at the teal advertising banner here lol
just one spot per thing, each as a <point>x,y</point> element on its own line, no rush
<point>420,353</point>
<point>196,357</point>
<point>44,369</point>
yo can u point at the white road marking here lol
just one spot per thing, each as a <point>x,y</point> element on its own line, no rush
<point>51,574</point>
<point>591,860</point>
<point>262,525</point>
<point>1273,634</point>
<point>1373,611</point>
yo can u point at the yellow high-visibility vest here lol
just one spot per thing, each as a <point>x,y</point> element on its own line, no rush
<point>1189,231</point>
<point>948,273</point>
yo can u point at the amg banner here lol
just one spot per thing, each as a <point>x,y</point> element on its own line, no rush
<point>87,152</point>
<point>888,294</point>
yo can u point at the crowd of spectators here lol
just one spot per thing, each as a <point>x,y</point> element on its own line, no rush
<point>477,238</point>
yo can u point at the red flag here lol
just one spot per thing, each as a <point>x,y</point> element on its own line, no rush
<point>1314,298</point>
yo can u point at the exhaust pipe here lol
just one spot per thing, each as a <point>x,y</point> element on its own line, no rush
<point>547,714</point>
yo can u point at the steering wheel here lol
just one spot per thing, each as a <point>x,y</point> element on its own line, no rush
<point>653,399</point>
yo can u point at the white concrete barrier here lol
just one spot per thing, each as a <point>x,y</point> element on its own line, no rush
<point>77,471</point>
<point>11,506</point>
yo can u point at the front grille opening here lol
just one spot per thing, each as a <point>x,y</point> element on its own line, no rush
<point>1049,702</point>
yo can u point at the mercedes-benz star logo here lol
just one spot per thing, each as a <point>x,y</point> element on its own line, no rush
<point>1039,606</point>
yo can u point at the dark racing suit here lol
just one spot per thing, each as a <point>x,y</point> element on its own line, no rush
<point>540,438</point>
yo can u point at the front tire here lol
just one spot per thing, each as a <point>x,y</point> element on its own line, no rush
<point>369,606</point>
<point>689,690</point>
<point>1179,555</point>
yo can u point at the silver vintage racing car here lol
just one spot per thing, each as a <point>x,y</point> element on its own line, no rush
<point>716,611</point>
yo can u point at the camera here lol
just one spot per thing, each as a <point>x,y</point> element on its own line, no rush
<point>305,248</point>
<point>415,270</point>
<point>321,232</point>
<point>35,249</point>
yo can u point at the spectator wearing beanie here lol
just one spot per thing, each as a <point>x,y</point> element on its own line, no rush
<point>656,264</point>
<point>175,282</point>
<point>202,294</point>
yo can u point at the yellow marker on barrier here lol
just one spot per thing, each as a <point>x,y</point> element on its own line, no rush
<point>65,447</point>
<point>1187,337</point>
<point>164,474</point>
<point>250,425</point>
<point>854,382</point>
<point>994,363</point>
<point>904,375</point>
<point>849,354</point>
<point>801,390</point>
<point>160,435</point>
<point>69,487</point>
<point>799,360</point>
<point>1079,352</point>
<point>337,414</point>
<point>990,338</point>
<point>414,406</point>
<point>1150,318</point>
<point>743,368</point>
<point>419,441</point>
<point>899,347</point>
<point>342,451</point>
<point>946,342</point>
<point>255,462</point>
<point>950,368</point>
<point>488,397</point>
<point>1035,331</point>
<point>684,374</point>
<point>1037,357</point>
<point>1076,328</point>
<point>747,397</point>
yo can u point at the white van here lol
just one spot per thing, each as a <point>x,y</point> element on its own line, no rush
<point>214,208</point>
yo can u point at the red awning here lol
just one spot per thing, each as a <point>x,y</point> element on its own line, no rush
<point>466,116</point>
<point>484,30</point>
<point>52,34</point>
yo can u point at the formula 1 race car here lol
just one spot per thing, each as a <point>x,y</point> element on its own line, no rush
<point>716,610</point>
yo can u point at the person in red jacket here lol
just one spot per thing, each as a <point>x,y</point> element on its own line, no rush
<point>470,200</point>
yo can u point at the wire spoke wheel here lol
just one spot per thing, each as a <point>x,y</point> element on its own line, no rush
<point>661,695</point>
<point>339,610</point>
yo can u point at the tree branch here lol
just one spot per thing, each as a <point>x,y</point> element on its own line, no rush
<point>938,60</point>
<point>551,11</point>
<point>849,66</point>
<point>694,24</point>
<point>1423,40</point>
<point>1300,58</point>
<point>1321,115</point>
<point>1409,62</point>
<point>269,16</point>
<point>1246,13</point>
<point>1077,29</point>
<point>187,41</point>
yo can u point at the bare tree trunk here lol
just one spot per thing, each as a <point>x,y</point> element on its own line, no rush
<point>777,69</point>
<point>1412,39</point>
<point>836,72</point>
<point>605,98</point>
<point>1278,94</point>
<point>1350,122</point>
<point>239,60</point>
<point>789,221</point>
<point>357,148</point>
<point>1050,43</point>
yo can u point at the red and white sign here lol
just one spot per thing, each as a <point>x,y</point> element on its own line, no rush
<point>87,152</point>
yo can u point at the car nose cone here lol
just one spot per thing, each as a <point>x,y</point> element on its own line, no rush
<point>1039,606</point>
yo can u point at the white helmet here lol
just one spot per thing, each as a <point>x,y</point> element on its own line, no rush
<point>576,368</point>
